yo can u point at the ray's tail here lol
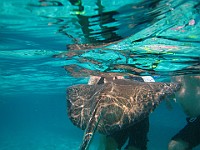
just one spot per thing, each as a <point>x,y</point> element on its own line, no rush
<point>91,127</point>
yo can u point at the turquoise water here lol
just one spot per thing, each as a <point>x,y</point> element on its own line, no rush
<point>38,62</point>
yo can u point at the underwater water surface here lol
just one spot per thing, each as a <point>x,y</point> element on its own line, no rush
<point>47,46</point>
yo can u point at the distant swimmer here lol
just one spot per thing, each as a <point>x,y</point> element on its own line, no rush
<point>189,98</point>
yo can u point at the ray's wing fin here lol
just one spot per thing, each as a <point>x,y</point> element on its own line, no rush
<point>81,91</point>
<point>78,104</point>
<point>163,91</point>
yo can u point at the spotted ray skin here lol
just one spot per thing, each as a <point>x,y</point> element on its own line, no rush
<point>113,106</point>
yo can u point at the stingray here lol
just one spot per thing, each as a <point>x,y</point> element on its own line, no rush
<point>113,106</point>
